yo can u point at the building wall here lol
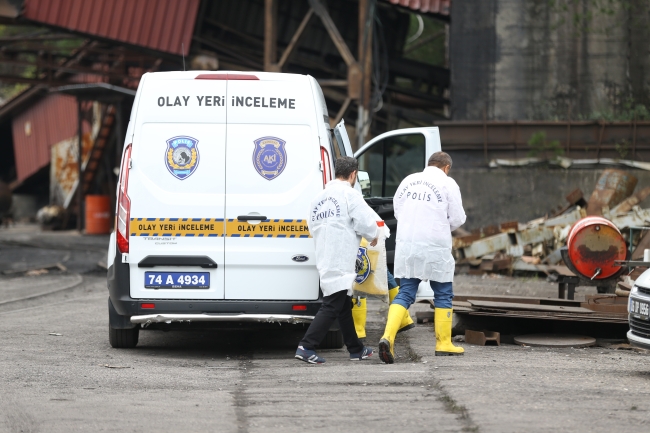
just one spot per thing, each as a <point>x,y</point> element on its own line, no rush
<point>536,59</point>
<point>492,196</point>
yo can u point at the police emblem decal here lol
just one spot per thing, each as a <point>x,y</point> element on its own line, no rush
<point>269,157</point>
<point>182,156</point>
<point>362,266</point>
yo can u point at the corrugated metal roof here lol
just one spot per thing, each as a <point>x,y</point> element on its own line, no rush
<point>426,6</point>
<point>46,123</point>
<point>157,24</point>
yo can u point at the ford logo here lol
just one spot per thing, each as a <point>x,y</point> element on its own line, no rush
<point>299,258</point>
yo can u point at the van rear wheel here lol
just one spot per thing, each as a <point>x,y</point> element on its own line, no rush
<point>123,338</point>
<point>333,340</point>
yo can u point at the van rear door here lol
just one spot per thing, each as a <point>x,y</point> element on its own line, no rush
<point>176,188</point>
<point>272,174</point>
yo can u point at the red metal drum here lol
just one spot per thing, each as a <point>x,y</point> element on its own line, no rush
<point>593,244</point>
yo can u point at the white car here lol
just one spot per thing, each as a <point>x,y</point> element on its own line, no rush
<point>216,178</point>
<point>639,312</point>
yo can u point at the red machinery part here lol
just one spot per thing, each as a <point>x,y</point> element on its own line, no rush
<point>593,244</point>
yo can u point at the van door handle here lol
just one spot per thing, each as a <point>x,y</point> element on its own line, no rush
<point>251,218</point>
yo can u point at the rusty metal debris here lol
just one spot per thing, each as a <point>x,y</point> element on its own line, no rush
<point>536,246</point>
<point>483,338</point>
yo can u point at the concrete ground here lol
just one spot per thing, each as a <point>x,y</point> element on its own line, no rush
<point>59,373</point>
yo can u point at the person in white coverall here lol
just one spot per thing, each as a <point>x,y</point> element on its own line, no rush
<point>428,207</point>
<point>338,219</point>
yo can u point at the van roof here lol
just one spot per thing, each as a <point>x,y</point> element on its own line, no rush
<point>225,75</point>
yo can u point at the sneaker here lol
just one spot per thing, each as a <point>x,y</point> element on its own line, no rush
<point>308,356</point>
<point>364,354</point>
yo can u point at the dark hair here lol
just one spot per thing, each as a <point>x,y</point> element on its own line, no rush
<point>344,166</point>
<point>440,160</point>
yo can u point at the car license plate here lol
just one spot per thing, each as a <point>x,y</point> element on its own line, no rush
<point>640,309</point>
<point>177,280</point>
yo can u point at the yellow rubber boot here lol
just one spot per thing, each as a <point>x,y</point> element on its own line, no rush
<point>386,344</point>
<point>442,323</point>
<point>359,312</point>
<point>407,322</point>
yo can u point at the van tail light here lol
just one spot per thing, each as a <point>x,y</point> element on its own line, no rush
<point>299,308</point>
<point>325,161</point>
<point>123,213</point>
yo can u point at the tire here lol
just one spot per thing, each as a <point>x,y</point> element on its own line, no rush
<point>123,338</point>
<point>332,340</point>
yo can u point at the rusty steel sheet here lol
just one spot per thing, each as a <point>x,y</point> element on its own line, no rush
<point>163,25</point>
<point>555,340</point>
<point>612,187</point>
<point>64,170</point>
<point>50,120</point>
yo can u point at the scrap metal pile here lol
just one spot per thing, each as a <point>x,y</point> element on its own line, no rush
<point>535,246</point>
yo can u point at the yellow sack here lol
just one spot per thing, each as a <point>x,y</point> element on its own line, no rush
<point>371,269</point>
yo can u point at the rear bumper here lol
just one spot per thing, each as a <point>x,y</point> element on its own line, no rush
<point>119,289</point>
<point>264,318</point>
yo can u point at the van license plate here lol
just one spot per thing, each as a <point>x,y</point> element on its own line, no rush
<point>640,309</point>
<point>177,280</point>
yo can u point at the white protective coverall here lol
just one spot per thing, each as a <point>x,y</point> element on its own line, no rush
<point>428,207</point>
<point>338,218</point>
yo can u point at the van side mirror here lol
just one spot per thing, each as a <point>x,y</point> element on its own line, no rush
<point>363,179</point>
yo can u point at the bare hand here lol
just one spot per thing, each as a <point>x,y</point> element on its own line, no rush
<point>373,242</point>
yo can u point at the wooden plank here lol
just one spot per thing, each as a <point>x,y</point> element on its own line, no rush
<point>607,308</point>
<point>519,299</point>
<point>589,318</point>
<point>531,307</point>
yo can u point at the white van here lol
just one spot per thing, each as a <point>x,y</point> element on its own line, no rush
<point>216,178</point>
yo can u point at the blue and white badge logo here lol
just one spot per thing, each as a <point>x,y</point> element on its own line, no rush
<point>182,156</point>
<point>269,157</point>
<point>362,266</point>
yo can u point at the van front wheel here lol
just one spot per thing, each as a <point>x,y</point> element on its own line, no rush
<point>333,340</point>
<point>123,338</point>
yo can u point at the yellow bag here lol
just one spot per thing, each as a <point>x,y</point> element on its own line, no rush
<point>371,269</point>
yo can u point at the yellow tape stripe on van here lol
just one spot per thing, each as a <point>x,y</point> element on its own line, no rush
<point>218,227</point>
<point>268,229</point>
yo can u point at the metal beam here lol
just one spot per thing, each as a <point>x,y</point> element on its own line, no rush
<point>270,35</point>
<point>341,113</point>
<point>38,37</point>
<point>336,37</point>
<point>295,38</point>
<point>34,81</point>
<point>332,83</point>
<point>62,68</point>
<point>222,48</point>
